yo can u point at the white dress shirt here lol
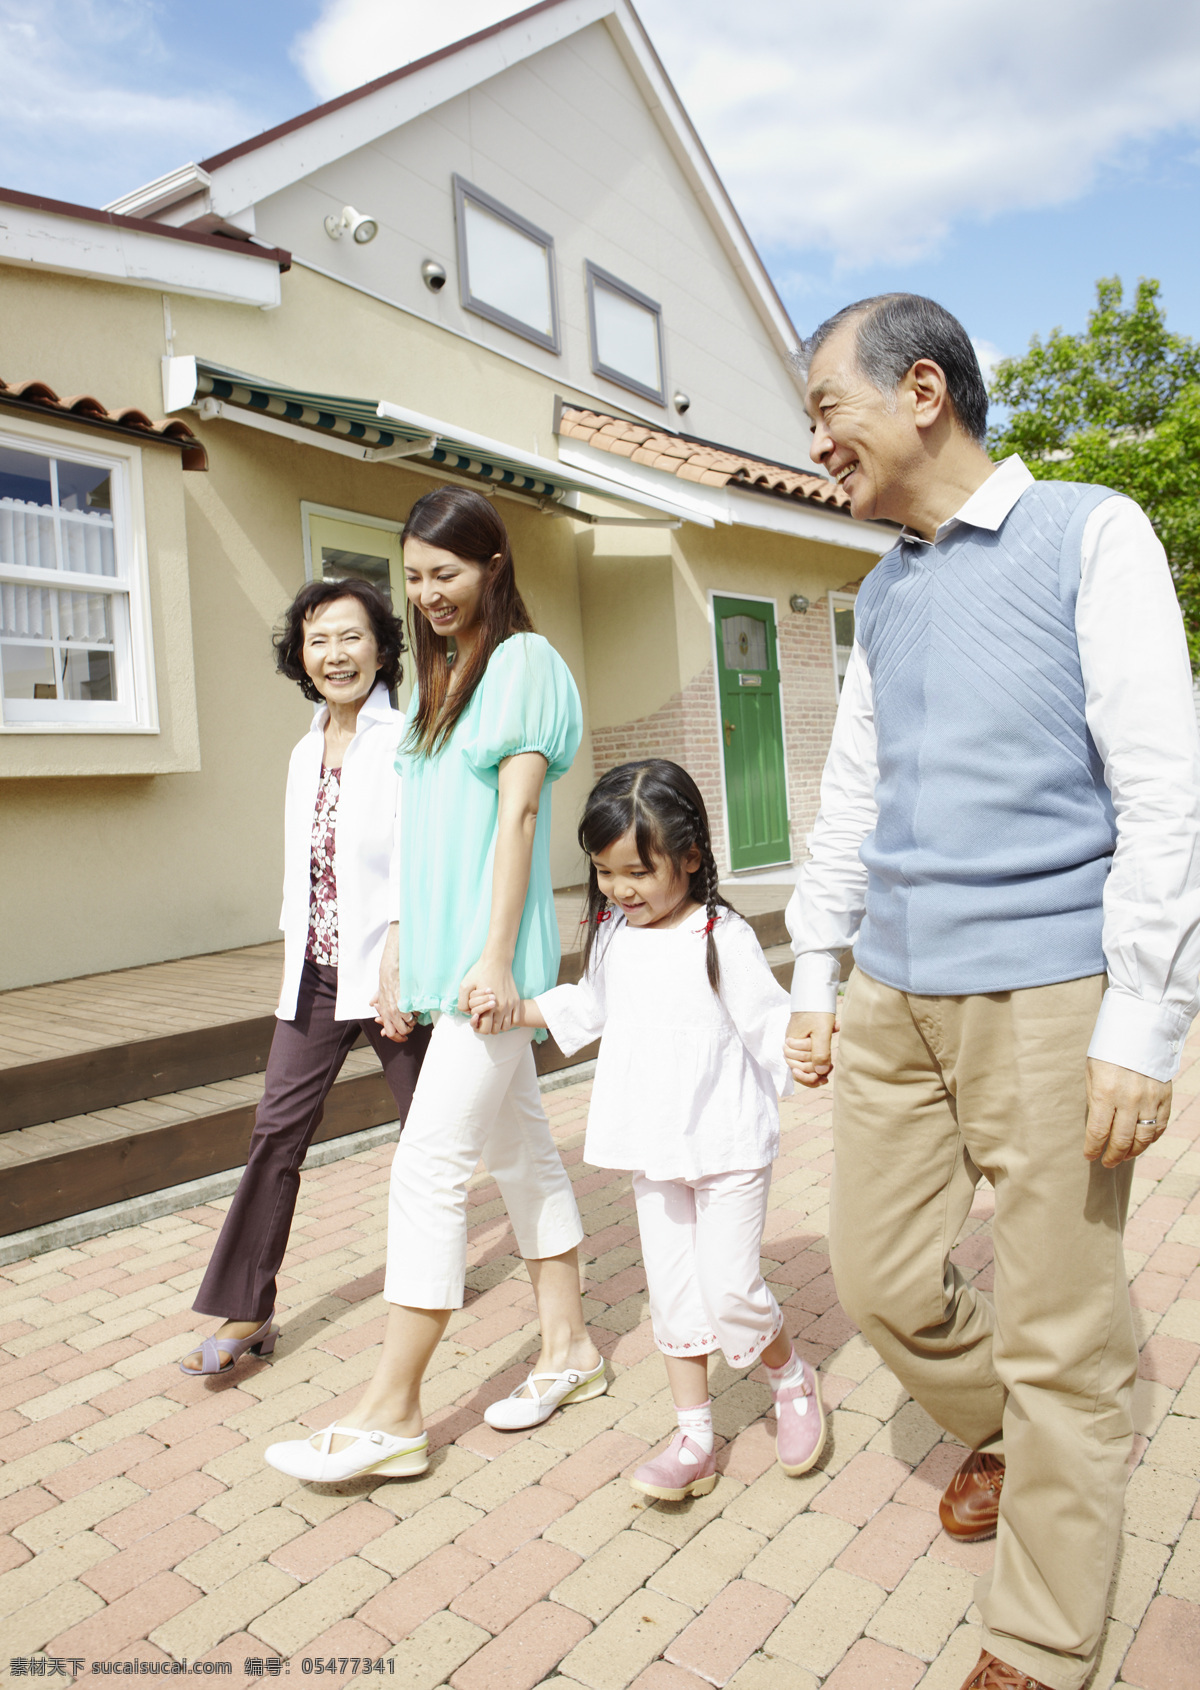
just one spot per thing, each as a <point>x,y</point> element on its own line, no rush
<point>1141,714</point>
<point>687,1081</point>
<point>366,857</point>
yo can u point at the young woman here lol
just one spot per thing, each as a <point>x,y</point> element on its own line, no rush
<point>342,645</point>
<point>494,719</point>
<point>685,1095</point>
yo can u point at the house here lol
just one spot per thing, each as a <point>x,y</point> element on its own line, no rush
<point>510,264</point>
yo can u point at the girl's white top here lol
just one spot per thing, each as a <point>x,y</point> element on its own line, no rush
<point>687,1083</point>
<point>366,854</point>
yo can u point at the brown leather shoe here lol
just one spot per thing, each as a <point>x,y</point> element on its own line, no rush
<point>970,1505</point>
<point>991,1674</point>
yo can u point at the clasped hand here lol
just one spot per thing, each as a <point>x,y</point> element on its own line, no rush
<point>807,1050</point>
<point>397,1023</point>
<point>490,997</point>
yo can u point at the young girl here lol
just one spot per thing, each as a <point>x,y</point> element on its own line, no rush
<point>685,1096</point>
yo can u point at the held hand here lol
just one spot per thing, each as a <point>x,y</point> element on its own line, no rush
<point>498,1001</point>
<point>480,1003</point>
<point>1127,1111</point>
<point>396,1024</point>
<point>808,1044</point>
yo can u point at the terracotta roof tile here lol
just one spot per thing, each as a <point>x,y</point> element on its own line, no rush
<point>82,406</point>
<point>695,460</point>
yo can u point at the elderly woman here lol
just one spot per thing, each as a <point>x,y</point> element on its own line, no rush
<point>342,645</point>
<point>494,719</point>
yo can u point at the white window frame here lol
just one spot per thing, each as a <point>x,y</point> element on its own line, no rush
<point>463,191</point>
<point>135,709</point>
<point>595,274</point>
<point>839,601</point>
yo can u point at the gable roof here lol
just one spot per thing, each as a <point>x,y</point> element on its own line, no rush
<point>695,460</point>
<point>245,174</point>
<point>414,68</point>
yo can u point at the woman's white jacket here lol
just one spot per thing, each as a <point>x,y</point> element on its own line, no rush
<point>366,862</point>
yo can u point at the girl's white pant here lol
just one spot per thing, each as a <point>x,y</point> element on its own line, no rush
<point>701,1242</point>
<point>477,1099</point>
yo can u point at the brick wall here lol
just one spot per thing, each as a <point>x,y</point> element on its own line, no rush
<point>809,693</point>
<point>685,728</point>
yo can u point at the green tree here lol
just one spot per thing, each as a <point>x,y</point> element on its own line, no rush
<point>1118,404</point>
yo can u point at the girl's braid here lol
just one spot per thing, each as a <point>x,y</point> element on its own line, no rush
<point>710,886</point>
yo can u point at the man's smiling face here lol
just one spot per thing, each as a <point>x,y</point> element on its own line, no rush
<point>864,439</point>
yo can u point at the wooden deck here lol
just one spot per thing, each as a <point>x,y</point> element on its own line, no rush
<point>69,1017</point>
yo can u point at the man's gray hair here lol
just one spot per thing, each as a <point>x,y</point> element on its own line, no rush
<point>895,330</point>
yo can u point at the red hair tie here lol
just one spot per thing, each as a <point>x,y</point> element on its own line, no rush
<point>710,924</point>
<point>605,915</point>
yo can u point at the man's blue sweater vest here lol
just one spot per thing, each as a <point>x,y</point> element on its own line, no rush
<point>995,834</point>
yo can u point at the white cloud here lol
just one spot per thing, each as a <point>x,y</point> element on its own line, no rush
<point>354,41</point>
<point>871,132</point>
<point>989,356</point>
<point>82,113</point>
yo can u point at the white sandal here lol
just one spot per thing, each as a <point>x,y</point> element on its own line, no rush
<point>371,1452</point>
<point>517,1412</point>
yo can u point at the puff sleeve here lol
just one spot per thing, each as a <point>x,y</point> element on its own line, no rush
<point>756,1003</point>
<point>575,1015</point>
<point>529,702</point>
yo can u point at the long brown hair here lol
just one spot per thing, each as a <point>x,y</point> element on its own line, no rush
<point>662,804</point>
<point>459,520</point>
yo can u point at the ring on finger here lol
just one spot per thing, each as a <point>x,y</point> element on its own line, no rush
<point>1148,1121</point>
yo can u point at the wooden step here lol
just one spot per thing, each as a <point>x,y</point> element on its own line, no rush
<point>90,1160</point>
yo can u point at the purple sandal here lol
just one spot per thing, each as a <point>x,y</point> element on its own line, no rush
<point>262,1343</point>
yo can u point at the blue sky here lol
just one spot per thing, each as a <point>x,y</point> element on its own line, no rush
<point>1000,156</point>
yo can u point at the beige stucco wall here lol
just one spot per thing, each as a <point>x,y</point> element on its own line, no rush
<point>122,867</point>
<point>117,870</point>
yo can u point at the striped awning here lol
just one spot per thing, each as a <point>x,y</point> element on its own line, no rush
<point>387,432</point>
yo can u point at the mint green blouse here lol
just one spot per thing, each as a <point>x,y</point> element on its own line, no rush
<point>449,807</point>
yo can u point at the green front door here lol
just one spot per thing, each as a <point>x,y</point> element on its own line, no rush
<point>752,728</point>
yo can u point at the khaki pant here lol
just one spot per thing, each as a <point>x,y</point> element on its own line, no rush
<point>931,1093</point>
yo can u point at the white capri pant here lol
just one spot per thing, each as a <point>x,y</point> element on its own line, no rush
<point>477,1098</point>
<point>701,1242</point>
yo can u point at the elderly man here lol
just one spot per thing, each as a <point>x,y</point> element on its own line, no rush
<point>1009,837</point>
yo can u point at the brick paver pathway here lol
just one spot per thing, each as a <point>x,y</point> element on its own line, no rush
<point>144,1526</point>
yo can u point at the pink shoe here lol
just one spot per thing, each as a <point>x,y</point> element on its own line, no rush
<point>800,1427</point>
<point>681,1470</point>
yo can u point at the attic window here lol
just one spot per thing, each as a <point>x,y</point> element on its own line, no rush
<point>505,267</point>
<point>626,330</point>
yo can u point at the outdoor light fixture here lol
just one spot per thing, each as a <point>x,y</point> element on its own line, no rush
<point>681,402</point>
<point>433,275</point>
<point>799,603</point>
<point>363,229</point>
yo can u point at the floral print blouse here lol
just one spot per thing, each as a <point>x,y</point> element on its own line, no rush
<point>322,907</point>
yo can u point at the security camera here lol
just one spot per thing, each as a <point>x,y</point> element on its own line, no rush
<point>681,403</point>
<point>433,275</point>
<point>363,229</point>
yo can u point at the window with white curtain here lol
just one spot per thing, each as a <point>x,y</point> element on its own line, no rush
<point>66,584</point>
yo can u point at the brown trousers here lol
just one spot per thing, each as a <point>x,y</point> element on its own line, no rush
<point>931,1093</point>
<point>305,1059</point>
